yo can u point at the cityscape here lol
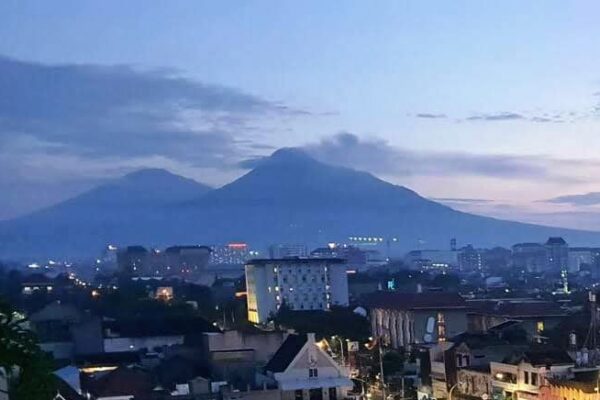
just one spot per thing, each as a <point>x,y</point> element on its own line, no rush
<point>299,200</point>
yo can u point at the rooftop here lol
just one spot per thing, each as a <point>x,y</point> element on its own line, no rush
<point>286,353</point>
<point>415,301</point>
<point>295,260</point>
<point>517,309</point>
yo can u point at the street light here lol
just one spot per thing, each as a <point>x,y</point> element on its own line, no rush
<point>341,348</point>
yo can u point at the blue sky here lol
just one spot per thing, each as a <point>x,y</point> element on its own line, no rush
<point>491,107</point>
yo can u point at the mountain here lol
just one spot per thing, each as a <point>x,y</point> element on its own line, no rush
<point>287,197</point>
<point>119,210</point>
<point>291,197</point>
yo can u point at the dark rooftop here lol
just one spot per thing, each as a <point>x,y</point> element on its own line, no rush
<point>555,240</point>
<point>177,249</point>
<point>541,357</point>
<point>132,381</point>
<point>295,260</point>
<point>286,353</point>
<point>516,310</point>
<point>415,301</point>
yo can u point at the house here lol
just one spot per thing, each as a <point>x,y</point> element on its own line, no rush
<point>522,376</point>
<point>467,354</point>
<point>303,371</point>
<point>121,383</point>
<point>476,381</point>
<point>65,332</point>
<point>404,319</point>
<point>536,316</point>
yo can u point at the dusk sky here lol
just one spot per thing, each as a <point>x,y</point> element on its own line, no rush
<point>489,107</point>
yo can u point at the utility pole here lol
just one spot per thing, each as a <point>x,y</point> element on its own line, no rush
<point>381,377</point>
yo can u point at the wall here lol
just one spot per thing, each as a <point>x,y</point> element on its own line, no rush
<point>265,345</point>
<point>123,344</point>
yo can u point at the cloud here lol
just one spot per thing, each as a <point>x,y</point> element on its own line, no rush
<point>587,199</point>
<point>558,117</point>
<point>380,157</point>
<point>430,116</point>
<point>64,123</point>
<point>122,111</point>
<point>503,116</point>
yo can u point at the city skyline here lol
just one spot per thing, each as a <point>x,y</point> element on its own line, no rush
<point>489,109</point>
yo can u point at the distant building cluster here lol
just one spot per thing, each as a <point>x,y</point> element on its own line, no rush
<point>175,260</point>
<point>232,253</point>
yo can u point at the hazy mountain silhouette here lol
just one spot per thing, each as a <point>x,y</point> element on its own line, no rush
<point>121,210</point>
<point>287,197</point>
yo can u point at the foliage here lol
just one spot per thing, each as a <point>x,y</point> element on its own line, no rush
<point>341,321</point>
<point>393,362</point>
<point>22,359</point>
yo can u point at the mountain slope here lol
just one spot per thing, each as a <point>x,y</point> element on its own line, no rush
<point>126,209</point>
<point>290,197</point>
<point>287,197</point>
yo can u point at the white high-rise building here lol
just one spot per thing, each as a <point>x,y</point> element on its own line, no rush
<point>299,283</point>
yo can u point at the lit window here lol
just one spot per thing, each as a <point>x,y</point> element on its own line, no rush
<point>540,326</point>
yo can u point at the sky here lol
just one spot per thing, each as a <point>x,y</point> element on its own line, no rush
<point>492,108</point>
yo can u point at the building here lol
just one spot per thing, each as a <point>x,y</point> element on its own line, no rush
<point>174,260</point>
<point>535,316</point>
<point>583,386</point>
<point>404,319</point>
<point>558,254</point>
<point>231,254</point>
<point>288,250</point>
<point>186,259</point>
<point>530,257</point>
<point>464,358</point>
<point>304,371</point>
<point>431,259</point>
<point>522,377</point>
<point>299,283</point>
<point>470,259</point>
<point>584,258</point>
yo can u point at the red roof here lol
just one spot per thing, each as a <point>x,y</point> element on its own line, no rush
<point>416,301</point>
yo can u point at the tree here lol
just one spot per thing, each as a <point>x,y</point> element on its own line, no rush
<point>27,368</point>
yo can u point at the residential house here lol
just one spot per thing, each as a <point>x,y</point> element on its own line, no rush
<point>304,371</point>
<point>521,377</point>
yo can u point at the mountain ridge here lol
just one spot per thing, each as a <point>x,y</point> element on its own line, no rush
<point>288,197</point>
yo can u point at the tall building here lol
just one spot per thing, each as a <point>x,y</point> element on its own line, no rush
<point>558,254</point>
<point>470,259</point>
<point>531,257</point>
<point>299,283</point>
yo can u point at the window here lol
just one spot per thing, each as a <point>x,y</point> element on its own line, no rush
<point>313,373</point>
<point>534,379</point>
<point>526,377</point>
<point>459,360</point>
<point>540,326</point>
<point>332,393</point>
<point>298,394</point>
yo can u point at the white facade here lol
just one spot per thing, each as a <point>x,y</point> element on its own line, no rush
<point>299,283</point>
